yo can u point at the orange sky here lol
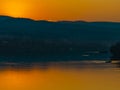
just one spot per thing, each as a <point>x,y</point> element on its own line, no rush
<point>88,10</point>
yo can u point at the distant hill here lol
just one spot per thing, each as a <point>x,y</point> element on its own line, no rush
<point>76,31</point>
<point>23,35</point>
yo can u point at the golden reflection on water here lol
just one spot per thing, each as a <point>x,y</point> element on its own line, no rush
<point>61,77</point>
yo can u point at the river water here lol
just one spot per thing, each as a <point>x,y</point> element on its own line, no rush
<point>83,75</point>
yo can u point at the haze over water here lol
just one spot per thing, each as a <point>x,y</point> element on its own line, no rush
<point>83,75</point>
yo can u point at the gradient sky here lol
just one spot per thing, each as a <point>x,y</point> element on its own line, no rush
<point>88,10</point>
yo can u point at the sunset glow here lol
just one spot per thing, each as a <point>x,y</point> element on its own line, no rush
<point>15,9</point>
<point>56,79</point>
<point>89,10</point>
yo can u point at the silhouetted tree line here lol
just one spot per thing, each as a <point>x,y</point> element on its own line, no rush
<point>30,46</point>
<point>115,51</point>
<point>35,47</point>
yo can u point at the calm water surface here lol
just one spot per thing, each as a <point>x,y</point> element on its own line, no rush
<point>85,75</point>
